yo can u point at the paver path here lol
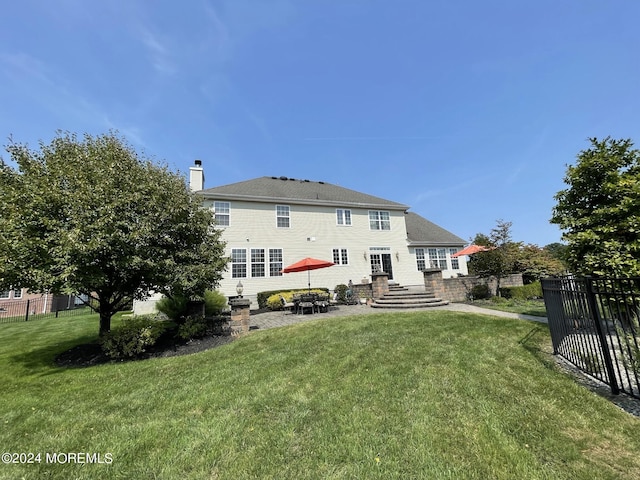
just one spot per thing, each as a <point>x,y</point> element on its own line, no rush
<point>274,319</point>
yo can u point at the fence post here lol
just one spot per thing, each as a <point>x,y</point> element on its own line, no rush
<point>593,306</point>
<point>26,314</point>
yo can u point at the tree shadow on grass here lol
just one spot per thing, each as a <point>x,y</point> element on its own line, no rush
<point>43,360</point>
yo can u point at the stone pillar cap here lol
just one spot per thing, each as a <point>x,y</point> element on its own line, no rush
<point>240,302</point>
<point>379,274</point>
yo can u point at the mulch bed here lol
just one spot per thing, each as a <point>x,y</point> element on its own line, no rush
<point>168,345</point>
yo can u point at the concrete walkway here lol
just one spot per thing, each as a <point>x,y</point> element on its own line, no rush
<point>275,319</point>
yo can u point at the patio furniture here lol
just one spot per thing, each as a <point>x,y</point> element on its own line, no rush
<point>333,301</point>
<point>322,303</point>
<point>287,305</point>
<point>307,301</point>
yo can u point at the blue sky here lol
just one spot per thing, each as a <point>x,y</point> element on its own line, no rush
<point>467,111</point>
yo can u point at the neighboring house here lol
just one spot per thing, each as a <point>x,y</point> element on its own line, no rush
<point>271,222</point>
<point>14,302</point>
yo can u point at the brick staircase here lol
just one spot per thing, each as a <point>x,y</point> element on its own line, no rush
<point>402,297</point>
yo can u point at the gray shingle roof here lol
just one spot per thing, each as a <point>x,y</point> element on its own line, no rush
<point>421,231</point>
<point>283,189</point>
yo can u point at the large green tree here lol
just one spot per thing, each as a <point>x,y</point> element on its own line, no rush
<point>90,215</point>
<point>599,211</point>
<point>535,262</point>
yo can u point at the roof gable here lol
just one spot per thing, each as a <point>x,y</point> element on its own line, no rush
<point>290,190</point>
<point>421,231</point>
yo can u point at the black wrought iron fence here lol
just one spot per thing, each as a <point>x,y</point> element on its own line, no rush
<point>594,324</point>
<point>43,307</point>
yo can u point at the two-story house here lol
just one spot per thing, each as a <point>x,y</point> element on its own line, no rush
<point>271,222</point>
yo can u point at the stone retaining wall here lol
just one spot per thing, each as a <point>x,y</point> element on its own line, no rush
<point>458,289</point>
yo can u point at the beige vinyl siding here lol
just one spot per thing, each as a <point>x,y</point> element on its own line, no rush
<point>312,233</point>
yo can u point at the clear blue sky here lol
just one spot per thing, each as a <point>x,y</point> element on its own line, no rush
<point>466,110</point>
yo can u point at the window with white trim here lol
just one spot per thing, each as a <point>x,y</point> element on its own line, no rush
<point>238,263</point>
<point>222,212</point>
<point>379,220</point>
<point>340,256</point>
<point>257,262</point>
<point>283,214</point>
<point>17,293</point>
<point>343,217</point>
<point>275,262</point>
<point>438,258</point>
<point>4,294</point>
<point>421,262</point>
<point>455,264</point>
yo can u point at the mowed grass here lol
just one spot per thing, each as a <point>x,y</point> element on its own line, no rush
<point>416,395</point>
<point>525,307</point>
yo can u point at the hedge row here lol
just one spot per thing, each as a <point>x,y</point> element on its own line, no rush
<point>525,292</point>
<point>263,297</point>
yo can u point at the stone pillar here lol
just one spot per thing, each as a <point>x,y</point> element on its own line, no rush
<point>380,284</point>
<point>433,283</point>
<point>240,313</point>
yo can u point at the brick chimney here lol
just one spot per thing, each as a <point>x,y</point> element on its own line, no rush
<point>196,176</point>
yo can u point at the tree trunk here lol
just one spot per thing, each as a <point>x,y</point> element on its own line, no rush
<point>106,312</point>
<point>105,323</point>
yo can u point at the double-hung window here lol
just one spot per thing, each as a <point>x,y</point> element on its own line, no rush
<point>239,263</point>
<point>455,264</point>
<point>379,220</point>
<point>343,217</point>
<point>421,262</point>
<point>275,262</point>
<point>17,293</point>
<point>257,262</point>
<point>222,211</point>
<point>283,216</point>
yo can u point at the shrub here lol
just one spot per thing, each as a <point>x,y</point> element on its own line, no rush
<point>195,327</point>
<point>175,307</point>
<point>480,292</point>
<point>133,337</point>
<point>525,292</point>
<point>214,302</point>
<point>264,297</point>
<point>341,291</point>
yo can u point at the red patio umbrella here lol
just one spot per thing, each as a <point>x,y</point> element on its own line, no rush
<point>307,264</point>
<point>470,250</point>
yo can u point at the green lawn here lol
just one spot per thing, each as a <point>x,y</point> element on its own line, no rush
<point>525,307</point>
<point>416,395</point>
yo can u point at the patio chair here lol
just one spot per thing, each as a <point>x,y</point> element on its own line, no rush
<point>333,301</point>
<point>322,303</point>
<point>286,305</point>
<point>307,302</point>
